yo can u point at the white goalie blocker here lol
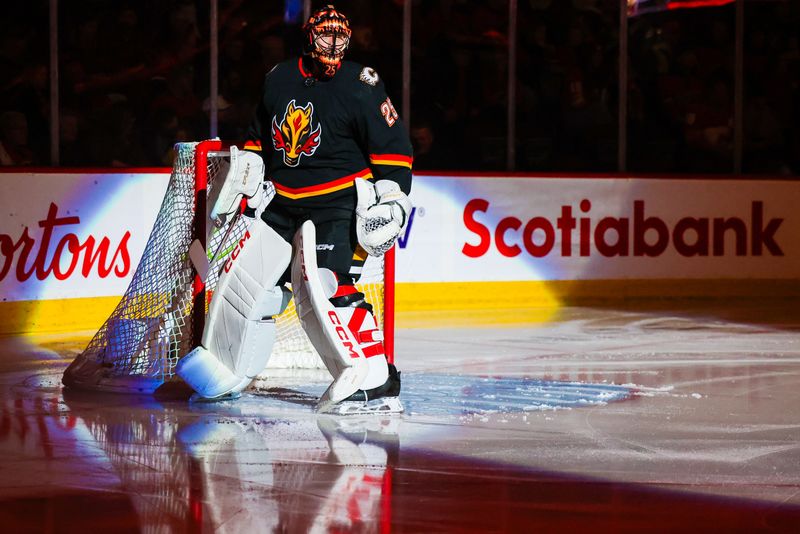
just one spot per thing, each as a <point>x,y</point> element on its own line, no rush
<point>245,178</point>
<point>240,330</point>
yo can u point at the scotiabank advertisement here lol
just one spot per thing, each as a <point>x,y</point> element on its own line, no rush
<point>519,228</point>
<point>74,235</point>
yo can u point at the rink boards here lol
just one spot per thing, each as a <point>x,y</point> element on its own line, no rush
<point>478,249</point>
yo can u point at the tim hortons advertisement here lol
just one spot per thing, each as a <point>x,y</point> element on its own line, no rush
<point>74,235</point>
<point>505,229</point>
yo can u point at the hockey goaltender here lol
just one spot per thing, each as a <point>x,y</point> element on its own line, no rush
<point>339,158</point>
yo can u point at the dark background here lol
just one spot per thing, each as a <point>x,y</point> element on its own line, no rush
<point>134,79</point>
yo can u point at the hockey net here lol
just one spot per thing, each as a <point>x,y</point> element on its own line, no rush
<point>160,317</point>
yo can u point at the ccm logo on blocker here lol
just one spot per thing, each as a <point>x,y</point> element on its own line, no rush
<point>621,236</point>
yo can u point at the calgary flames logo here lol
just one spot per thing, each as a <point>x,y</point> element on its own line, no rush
<point>294,135</point>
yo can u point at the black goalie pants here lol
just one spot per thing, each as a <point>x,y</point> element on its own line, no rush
<point>337,245</point>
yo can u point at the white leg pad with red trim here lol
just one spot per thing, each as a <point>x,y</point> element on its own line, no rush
<point>240,328</point>
<point>325,325</point>
<point>361,324</point>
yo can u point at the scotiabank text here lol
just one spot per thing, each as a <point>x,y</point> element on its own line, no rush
<point>641,235</point>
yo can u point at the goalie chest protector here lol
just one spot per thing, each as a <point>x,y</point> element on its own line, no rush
<point>317,136</point>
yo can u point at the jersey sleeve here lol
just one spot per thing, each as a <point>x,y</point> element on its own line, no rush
<point>256,129</point>
<point>384,136</point>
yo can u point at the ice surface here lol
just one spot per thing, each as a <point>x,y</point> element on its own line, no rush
<point>682,417</point>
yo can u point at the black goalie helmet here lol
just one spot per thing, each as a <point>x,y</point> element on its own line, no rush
<point>327,35</point>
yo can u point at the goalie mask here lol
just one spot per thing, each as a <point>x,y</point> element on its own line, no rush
<point>327,37</point>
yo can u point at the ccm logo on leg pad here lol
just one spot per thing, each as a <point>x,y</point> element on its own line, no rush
<point>342,333</point>
<point>236,251</point>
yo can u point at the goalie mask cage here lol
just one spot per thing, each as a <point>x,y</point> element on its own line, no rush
<point>162,313</point>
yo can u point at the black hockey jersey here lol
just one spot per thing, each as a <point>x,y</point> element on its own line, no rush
<point>317,136</point>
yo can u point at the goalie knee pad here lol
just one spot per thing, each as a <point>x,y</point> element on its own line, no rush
<point>240,328</point>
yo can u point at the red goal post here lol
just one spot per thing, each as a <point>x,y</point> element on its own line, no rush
<point>161,316</point>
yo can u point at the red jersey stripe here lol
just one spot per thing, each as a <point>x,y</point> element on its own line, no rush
<point>253,145</point>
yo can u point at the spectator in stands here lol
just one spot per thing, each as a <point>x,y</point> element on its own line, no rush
<point>70,150</point>
<point>14,150</point>
<point>709,129</point>
<point>427,152</point>
<point>763,141</point>
<point>31,97</point>
<point>566,92</point>
<point>114,139</point>
<point>273,51</point>
<point>179,95</point>
<point>14,46</point>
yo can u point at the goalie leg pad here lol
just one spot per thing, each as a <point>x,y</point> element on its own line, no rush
<point>240,329</point>
<point>361,323</point>
<point>326,327</point>
<point>208,376</point>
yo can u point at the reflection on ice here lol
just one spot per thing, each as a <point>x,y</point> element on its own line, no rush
<point>307,474</point>
<point>321,473</point>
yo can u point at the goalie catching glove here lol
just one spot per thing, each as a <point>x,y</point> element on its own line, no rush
<point>381,214</point>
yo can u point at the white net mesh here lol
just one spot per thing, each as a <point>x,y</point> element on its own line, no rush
<point>147,457</point>
<point>139,345</point>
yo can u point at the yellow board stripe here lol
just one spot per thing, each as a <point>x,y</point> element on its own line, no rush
<point>426,305</point>
<point>475,304</point>
<point>63,315</point>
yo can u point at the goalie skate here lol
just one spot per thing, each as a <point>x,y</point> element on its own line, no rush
<point>197,398</point>
<point>382,399</point>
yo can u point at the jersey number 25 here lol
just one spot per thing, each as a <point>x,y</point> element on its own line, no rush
<point>388,112</point>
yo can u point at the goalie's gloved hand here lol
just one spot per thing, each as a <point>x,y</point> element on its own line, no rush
<point>389,194</point>
<point>381,214</point>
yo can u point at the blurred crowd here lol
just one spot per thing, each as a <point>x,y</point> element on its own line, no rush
<point>134,79</point>
<point>682,90</point>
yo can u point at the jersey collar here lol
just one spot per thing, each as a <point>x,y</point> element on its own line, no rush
<point>303,72</point>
